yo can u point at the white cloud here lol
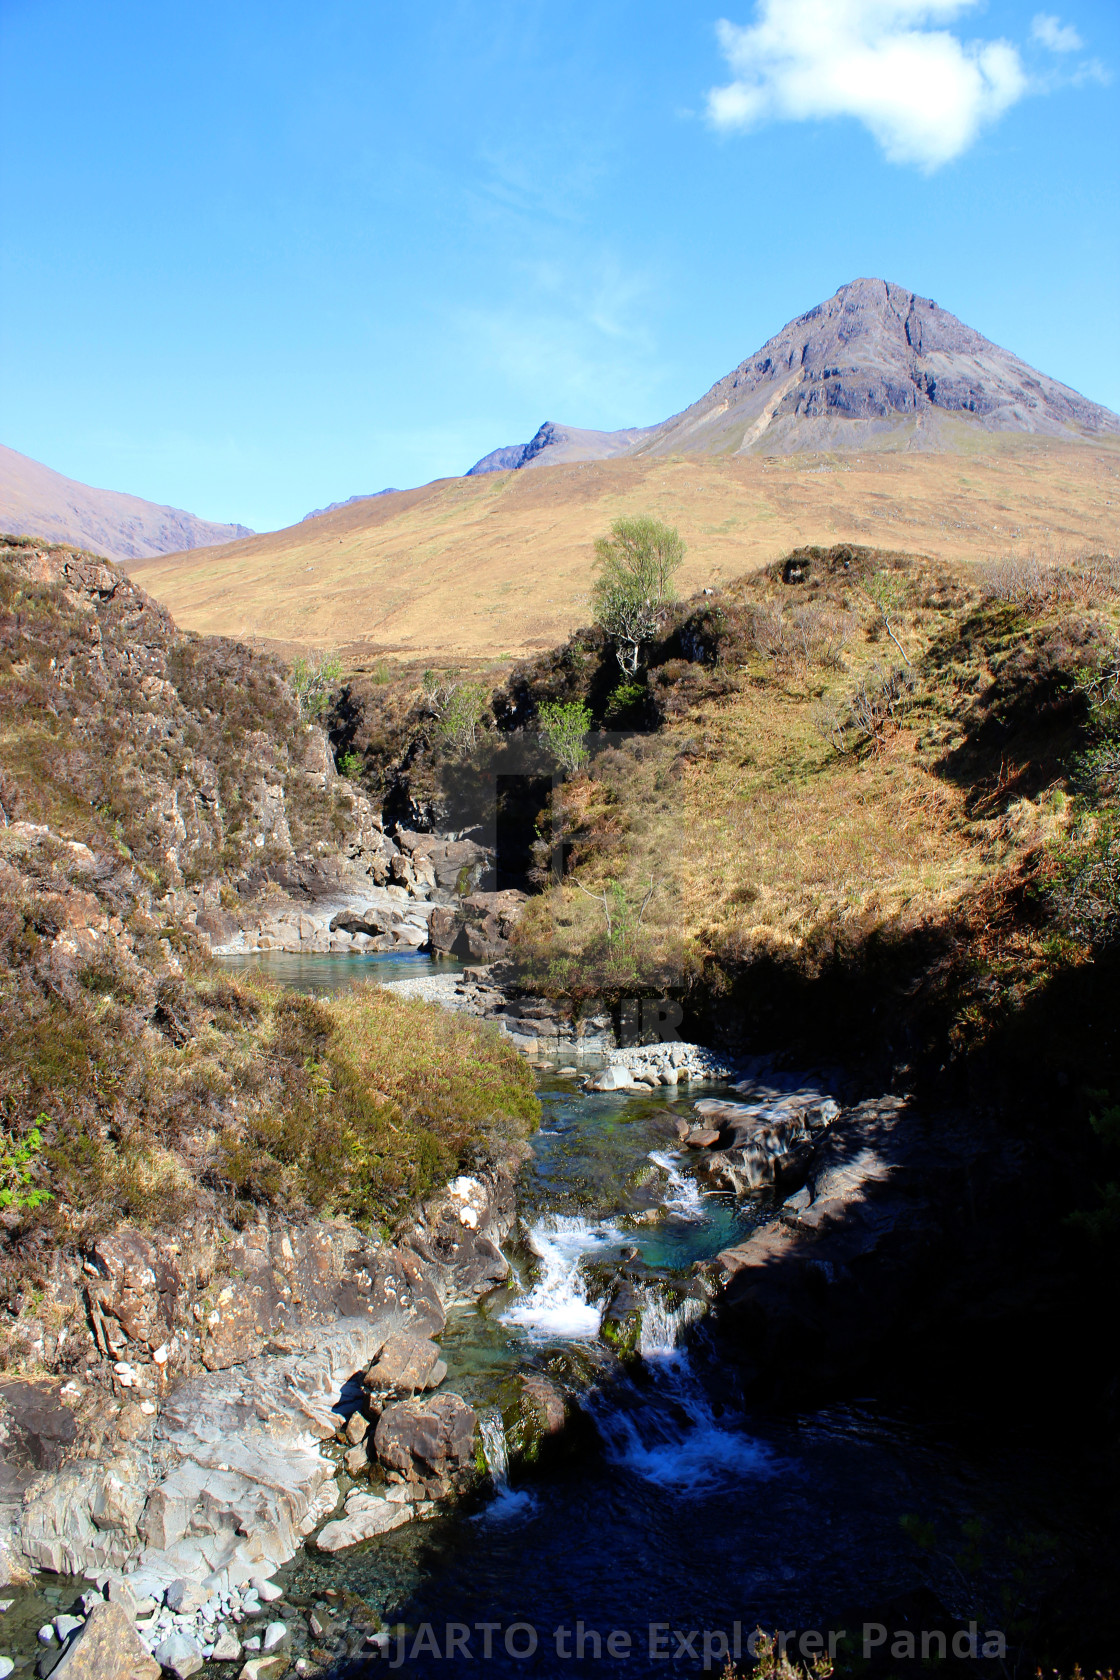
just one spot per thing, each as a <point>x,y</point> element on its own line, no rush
<point>924,93</point>
<point>1051,32</point>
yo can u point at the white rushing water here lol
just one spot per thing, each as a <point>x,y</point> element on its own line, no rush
<point>494,1449</point>
<point>557,1306</point>
<point>667,1433</point>
<point>663,1326</point>
<point>684,1199</point>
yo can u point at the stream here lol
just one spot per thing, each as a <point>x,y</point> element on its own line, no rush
<point>679,1520</point>
<point>672,1518</point>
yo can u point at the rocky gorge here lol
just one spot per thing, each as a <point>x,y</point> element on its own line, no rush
<point>319,1321</point>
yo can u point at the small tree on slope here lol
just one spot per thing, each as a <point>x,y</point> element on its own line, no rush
<point>635,564</point>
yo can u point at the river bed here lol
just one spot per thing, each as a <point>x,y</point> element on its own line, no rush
<point>679,1519</point>
<point>678,1511</point>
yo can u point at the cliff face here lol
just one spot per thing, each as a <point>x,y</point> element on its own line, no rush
<point>185,755</point>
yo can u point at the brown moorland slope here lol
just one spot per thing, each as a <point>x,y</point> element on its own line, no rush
<point>500,564</point>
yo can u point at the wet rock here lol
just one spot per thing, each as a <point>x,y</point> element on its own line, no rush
<point>704,1137</point>
<point>760,1142</point>
<point>356,1460</point>
<point>439,1433</point>
<point>621,1324</point>
<point>108,1648</point>
<point>612,1079</point>
<point>276,1633</point>
<point>538,1418</point>
<point>264,1668</point>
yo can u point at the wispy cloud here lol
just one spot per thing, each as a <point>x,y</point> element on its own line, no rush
<point>1051,32</point>
<point>923,92</point>
<point>575,340</point>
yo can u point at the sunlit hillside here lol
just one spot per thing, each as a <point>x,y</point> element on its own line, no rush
<point>497,565</point>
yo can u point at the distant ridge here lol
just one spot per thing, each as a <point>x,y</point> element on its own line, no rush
<point>35,501</point>
<point>873,367</point>
<point>332,507</point>
<point>553,444</point>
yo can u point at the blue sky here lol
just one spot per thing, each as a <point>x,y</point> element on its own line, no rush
<point>258,257</point>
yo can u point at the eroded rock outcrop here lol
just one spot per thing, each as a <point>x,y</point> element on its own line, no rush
<point>889,1204</point>
<point>226,1472</point>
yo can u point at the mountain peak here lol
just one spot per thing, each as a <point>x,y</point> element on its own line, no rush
<point>875,366</point>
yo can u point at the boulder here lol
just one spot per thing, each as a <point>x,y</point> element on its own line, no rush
<point>108,1648</point>
<point>615,1078</point>
<point>437,1433</point>
<point>537,1419</point>
<point>184,1597</point>
<point>133,1603</point>
<point>357,1427</point>
<point>406,1364</point>
<point>264,1668</point>
<point>366,1515</point>
<point>356,1459</point>
<point>761,1142</point>
<point>179,1655</point>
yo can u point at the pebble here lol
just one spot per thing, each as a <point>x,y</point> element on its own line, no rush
<point>274,1634</point>
<point>64,1626</point>
<point>226,1647</point>
<point>46,1634</point>
<point>6,1667</point>
<point>268,1590</point>
<point>6,1604</point>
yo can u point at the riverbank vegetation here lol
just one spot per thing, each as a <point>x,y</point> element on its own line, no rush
<point>161,1090</point>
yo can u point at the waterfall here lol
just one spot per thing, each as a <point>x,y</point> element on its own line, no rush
<point>507,1503</point>
<point>685,1199</point>
<point>663,1325</point>
<point>494,1448</point>
<point>557,1305</point>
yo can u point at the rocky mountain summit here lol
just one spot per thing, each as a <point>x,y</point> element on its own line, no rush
<point>875,366</point>
<point>552,445</point>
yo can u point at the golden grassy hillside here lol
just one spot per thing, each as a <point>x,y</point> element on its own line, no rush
<point>496,566</point>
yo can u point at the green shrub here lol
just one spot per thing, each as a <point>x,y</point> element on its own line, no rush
<point>19,1162</point>
<point>564,725</point>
